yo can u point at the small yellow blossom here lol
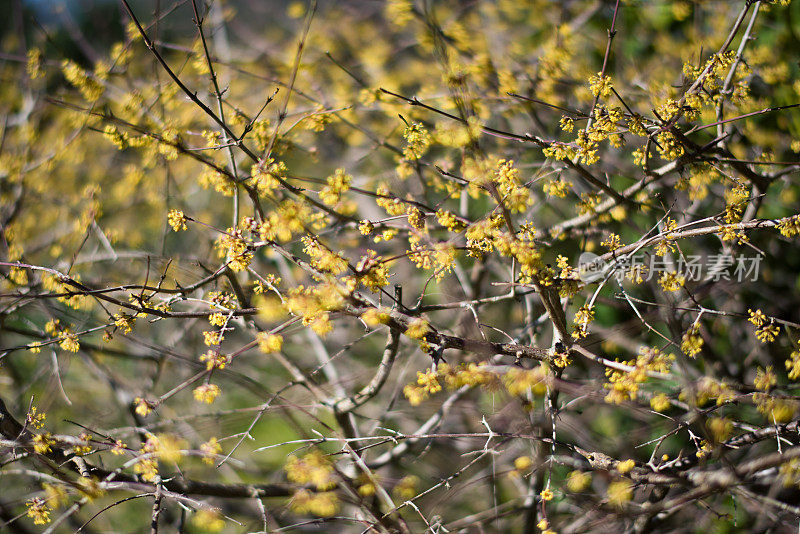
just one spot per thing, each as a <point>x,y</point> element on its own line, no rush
<point>374,317</point>
<point>417,328</point>
<point>269,343</point>
<point>619,493</point>
<point>523,463</point>
<point>578,481</point>
<point>42,443</point>
<point>765,379</point>
<point>757,317</point>
<point>210,449</point>
<point>143,407</point>
<point>35,418</point>
<point>206,393</point>
<point>209,520</point>
<point>660,403</point>
<point>177,220</point>
<point>314,468</point>
<point>768,333</point>
<point>600,85</point>
<point>407,487</point>
<point>625,466</point>
<point>38,510</point>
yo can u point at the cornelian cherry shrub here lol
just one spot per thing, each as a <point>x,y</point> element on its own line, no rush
<point>400,266</point>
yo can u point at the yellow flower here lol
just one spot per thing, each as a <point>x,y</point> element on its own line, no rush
<point>42,443</point>
<point>374,317</point>
<point>206,393</point>
<point>757,317</point>
<point>142,406</point>
<point>626,466</point>
<point>209,520</point>
<point>523,463</point>
<point>671,281</point>
<point>793,365</point>
<point>38,510</point>
<point>660,403</point>
<point>578,481</point>
<point>619,493</point>
<point>417,328</point>
<point>547,494</point>
<point>768,333</point>
<point>35,419</point>
<point>69,342</point>
<point>765,378</point>
<point>720,428</point>
<point>269,343</point>
<point>407,487</point>
<point>169,448</point>
<point>313,468</point>
<point>177,220</point>
<point>600,85</point>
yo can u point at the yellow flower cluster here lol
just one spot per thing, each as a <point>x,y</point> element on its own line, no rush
<point>372,271</point>
<point>206,393</point>
<point>214,359</point>
<point>322,258</point>
<point>124,322</point>
<point>583,317</point>
<point>558,187</point>
<point>692,341</point>
<point>38,510</point>
<point>208,520</point>
<point>291,217</point>
<point>430,382</point>
<point>793,365</point>
<point>322,504</point>
<point>418,140</point>
<point>765,379</point>
<point>790,226</point>
<point>143,407</point>
<point>56,284</point>
<point>269,343</point>
<point>671,281</point>
<point>375,316</point>
<point>177,220</point>
<point>42,443</point>
<point>267,175</point>
<point>89,85</point>
<point>313,304</point>
<point>313,469</point>
<point>210,449</point>
<point>232,246</point>
<point>578,481</point>
<point>667,245</point>
<point>406,488</point>
<point>624,385</point>
<point>619,493</point>
<point>600,85</point>
<point>337,184</point>
<point>440,257</point>
<point>35,418</point>
<point>774,409</point>
<point>519,382</point>
<point>516,197</point>
<point>705,389</point>
<point>660,403</point>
